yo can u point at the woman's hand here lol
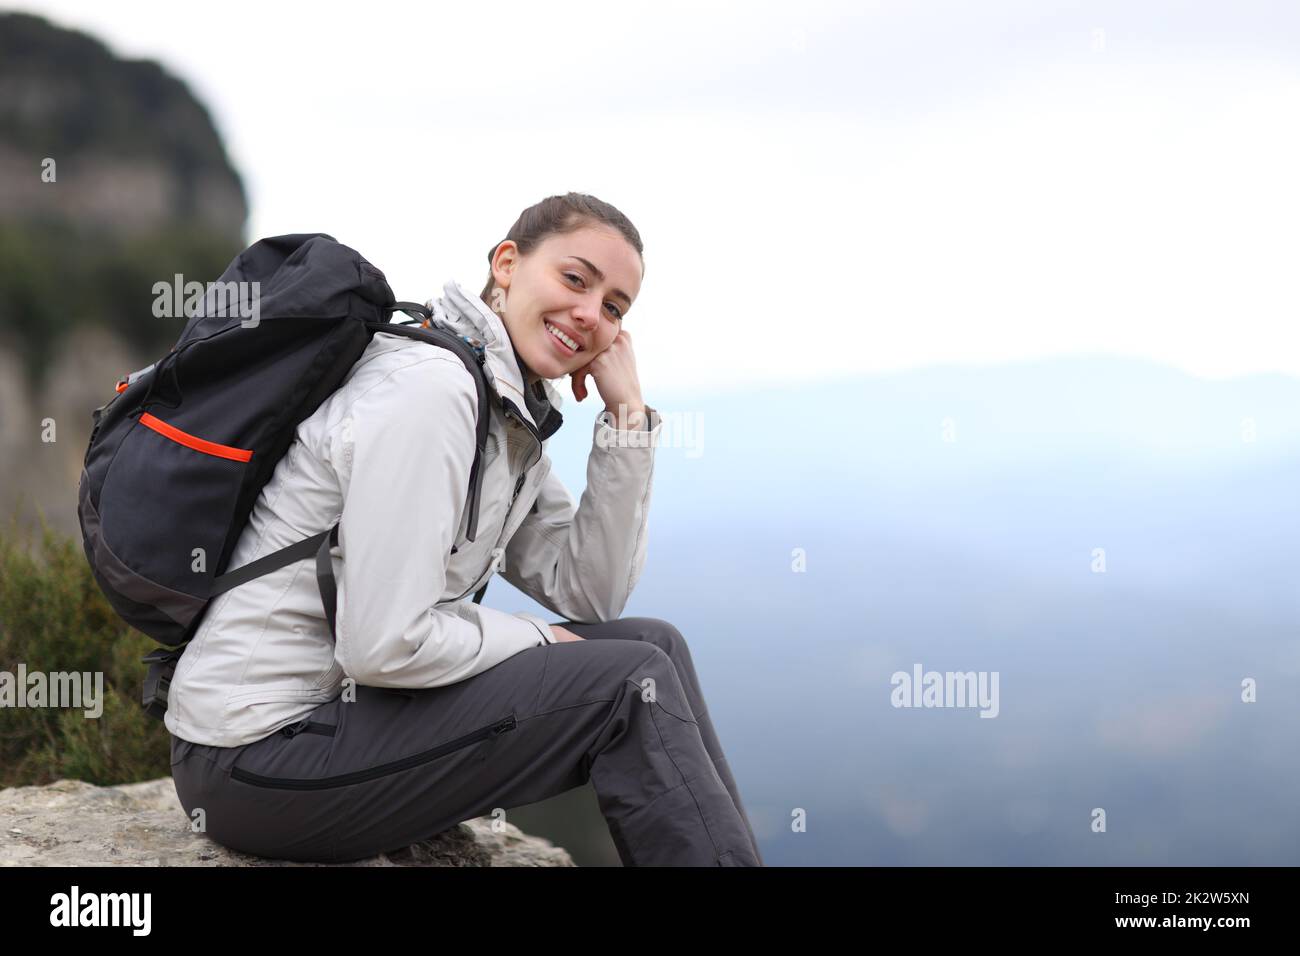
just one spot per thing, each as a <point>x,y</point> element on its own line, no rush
<point>614,372</point>
<point>562,635</point>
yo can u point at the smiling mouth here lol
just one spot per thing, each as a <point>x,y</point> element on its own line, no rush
<point>572,346</point>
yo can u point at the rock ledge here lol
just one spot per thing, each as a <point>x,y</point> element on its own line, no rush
<point>74,823</point>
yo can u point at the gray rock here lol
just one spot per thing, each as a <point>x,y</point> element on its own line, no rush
<point>74,823</point>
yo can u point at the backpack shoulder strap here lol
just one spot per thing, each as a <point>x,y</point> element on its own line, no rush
<point>473,361</point>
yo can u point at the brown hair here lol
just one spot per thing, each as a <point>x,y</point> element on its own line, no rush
<point>557,215</point>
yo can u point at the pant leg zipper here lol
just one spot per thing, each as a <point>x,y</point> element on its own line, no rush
<point>394,766</point>
<point>310,727</point>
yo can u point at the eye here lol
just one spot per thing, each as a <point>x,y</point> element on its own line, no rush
<point>615,312</point>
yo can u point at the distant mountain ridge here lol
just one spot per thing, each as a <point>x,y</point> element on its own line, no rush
<point>135,150</point>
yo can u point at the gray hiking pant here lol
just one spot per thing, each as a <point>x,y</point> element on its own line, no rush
<point>622,708</point>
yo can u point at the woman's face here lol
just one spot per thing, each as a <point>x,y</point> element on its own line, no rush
<point>580,283</point>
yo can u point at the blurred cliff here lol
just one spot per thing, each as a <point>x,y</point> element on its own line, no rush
<point>112,178</point>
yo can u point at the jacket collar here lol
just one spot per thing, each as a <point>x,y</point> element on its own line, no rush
<point>466,314</point>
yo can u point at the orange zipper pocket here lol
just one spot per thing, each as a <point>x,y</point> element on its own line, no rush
<point>191,441</point>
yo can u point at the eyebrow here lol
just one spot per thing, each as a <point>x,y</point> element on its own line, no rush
<point>601,276</point>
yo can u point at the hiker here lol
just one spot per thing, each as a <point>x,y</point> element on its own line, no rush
<point>426,708</point>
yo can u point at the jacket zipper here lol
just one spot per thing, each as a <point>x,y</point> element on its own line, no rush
<point>511,411</point>
<point>394,766</point>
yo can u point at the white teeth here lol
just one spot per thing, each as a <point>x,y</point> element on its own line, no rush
<point>561,336</point>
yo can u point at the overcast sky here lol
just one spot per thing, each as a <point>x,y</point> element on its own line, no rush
<point>823,189</point>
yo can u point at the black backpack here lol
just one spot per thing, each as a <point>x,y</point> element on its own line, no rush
<point>178,456</point>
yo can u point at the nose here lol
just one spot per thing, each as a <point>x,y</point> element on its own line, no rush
<point>586,315</point>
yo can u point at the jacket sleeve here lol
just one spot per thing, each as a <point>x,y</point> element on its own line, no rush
<point>582,563</point>
<point>403,453</point>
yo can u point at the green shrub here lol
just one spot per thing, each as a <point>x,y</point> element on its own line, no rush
<point>53,617</point>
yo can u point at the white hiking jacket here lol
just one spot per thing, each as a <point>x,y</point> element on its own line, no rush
<point>389,452</point>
